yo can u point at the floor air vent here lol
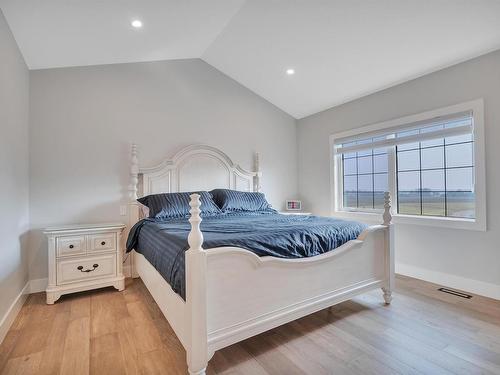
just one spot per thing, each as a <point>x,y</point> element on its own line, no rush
<point>455,293</point>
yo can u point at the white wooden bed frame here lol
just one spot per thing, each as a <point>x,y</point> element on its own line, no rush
<point>232,294</point>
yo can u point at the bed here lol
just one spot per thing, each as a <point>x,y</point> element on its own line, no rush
<point>227,288</point>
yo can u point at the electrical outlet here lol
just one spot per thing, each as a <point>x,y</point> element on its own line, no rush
<point>123,210</point>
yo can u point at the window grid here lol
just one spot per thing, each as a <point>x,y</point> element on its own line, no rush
<point>373,181</point>
<point>445,186</point>
<point>445,168</point>
<point>434,146</point>
<point>356,157</point>
<point>423,194</point>
<point>420,176</point>
<point>397,178</point>
<point>425,169</point>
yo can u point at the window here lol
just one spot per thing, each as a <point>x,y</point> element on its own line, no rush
<point>431,163</point>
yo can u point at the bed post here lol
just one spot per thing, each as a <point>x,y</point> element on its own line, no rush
<point>133,205</point>
<point>258,173</point>
<point>389,243</point>
<point>196,293</point>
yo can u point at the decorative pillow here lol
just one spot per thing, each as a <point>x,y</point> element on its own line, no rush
<point>176,205</point>
<point>233,200</point>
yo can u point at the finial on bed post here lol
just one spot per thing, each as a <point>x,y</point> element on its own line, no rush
<point>258,173</point>
<point>196,293</point>
<point>134,172</point>
<point>387,208</point>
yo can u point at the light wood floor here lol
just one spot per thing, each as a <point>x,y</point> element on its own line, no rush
<point>107,332</point>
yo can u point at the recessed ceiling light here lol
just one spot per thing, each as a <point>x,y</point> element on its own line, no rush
<point>290,72</point>
<point>137,24</point>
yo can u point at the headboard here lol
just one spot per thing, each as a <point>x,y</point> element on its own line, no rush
<point>195,167</point>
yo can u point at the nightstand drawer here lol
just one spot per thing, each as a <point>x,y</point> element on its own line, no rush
<point>101,242</point>
<point>85,268</point>
<point>70,245</point>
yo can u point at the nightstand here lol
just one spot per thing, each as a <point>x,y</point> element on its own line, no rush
<point>84,257</point>
<point>294,213</point>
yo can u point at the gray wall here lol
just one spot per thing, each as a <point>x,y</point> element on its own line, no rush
<point>462,254</point>
<point>84,119</point>
<point>14,213</point>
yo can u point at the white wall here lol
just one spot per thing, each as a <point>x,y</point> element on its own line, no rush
<point>14,214</point>
<point>463,259</point>
<point>83,120</point>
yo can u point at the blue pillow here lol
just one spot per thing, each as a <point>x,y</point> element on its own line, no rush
<point>176,205</point>
<point>233,200</point>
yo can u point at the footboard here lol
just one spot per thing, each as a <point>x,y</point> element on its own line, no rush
<point>247,295</point>
<point>232,294</point>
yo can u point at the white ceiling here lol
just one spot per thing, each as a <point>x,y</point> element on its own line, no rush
<point>57,33</point>
<point>340,49</point>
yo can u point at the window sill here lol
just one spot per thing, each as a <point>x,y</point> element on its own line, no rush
<point>443,222</point>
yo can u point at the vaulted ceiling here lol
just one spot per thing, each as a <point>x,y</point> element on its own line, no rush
<point>339,49</point>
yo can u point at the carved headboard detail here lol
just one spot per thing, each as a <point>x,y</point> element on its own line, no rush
<point>195,167</point>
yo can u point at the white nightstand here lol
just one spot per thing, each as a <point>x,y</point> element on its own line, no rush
<point>83,257</point>
<point>294,213</point>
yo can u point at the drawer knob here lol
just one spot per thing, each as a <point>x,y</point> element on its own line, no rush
<point>103,243</point>
<point>71,246</point>
<point>80,268</point>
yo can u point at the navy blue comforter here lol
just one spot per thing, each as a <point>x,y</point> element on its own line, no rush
<point>163,243</point>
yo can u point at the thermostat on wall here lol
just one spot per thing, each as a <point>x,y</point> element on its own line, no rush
<point>293,205</point>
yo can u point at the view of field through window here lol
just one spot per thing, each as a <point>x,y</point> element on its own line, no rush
<point>433,177</point>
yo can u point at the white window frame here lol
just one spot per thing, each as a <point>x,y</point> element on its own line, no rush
<point>478,223</point>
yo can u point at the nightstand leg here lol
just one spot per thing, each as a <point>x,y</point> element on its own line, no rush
<point>52,297</point>
<point>120,285</point>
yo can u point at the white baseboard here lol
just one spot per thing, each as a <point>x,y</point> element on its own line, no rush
<point>38,285</point>
<point>13,310</point>
<point>452,281</point>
